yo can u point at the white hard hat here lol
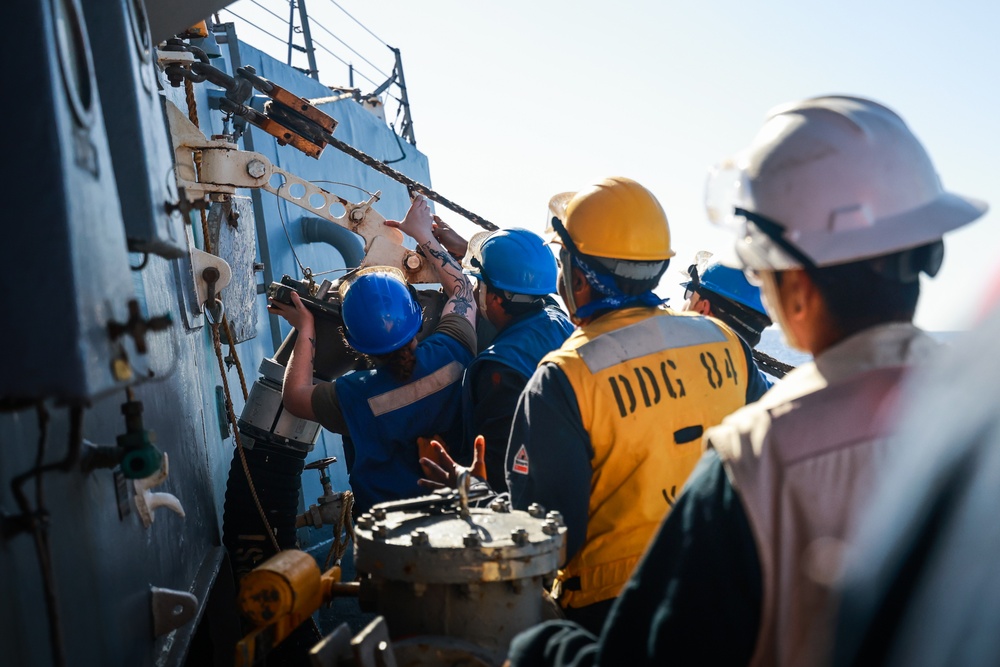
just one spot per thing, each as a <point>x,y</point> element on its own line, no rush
<point>830,180</point>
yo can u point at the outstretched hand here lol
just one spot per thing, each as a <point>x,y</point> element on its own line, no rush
<point>417,222</point>
<point>441,469</point>
<point>451,240</point>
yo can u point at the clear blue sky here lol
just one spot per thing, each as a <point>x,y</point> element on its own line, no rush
<point>515,101</point>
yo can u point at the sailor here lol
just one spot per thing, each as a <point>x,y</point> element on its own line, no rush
<point>723,292</point>
<point>516,273</point>
<point>414,388</point>
<point>609,425</point>
<point>838,210</point>
<point>920,585</point>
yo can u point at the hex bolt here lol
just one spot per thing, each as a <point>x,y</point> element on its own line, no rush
<point>471,539</point>
<point>536,510</point>
<point>380,530</point>
<point>419,536</point>
<point>550,527</point>
<point>519,536</point>
<point>365,520</point>
<point>500,505</point>
<point>358,214</point>
<point>256,168</point>
<point>412,261</point>
<point>555,516</point>
<point>378,513</point>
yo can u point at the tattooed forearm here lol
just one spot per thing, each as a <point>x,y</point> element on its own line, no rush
<point>441,255</point>
<point>452,278</point>
<point>462,306</point>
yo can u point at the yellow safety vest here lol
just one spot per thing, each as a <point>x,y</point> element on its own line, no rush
<point>648,382</point>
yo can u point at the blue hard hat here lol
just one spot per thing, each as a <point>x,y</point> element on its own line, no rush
<point>380,315</point>
<point>727,282</point>
<point>514,260</point>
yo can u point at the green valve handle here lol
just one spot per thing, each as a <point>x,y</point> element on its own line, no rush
<point>141,462</point>
<point>142,457</point>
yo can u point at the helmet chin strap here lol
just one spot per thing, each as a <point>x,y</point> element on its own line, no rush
<point>567,279</point>
<point>610,297</point>
<point>481,301</point>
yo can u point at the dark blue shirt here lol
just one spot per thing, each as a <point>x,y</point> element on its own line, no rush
<point>694,599</point>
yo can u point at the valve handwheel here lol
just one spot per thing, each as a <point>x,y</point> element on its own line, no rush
<point>320,464</point>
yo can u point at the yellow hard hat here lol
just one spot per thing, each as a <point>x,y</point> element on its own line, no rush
<point>616,218</point>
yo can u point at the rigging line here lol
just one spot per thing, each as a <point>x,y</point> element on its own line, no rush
<point>348,185</point>
<point>43,547</point>
<point>360,24</point>
<point>231,416</point>
<point>399,144</point>
<point>323,273</point>
<point>308,272</point>
<point>411,184</point>
<point>217,342</point>
<point>269,34</point>
<point>38,518</point>
<point>327,31</point>
<point>142,264</point>
<point>291,246</point>
<point>374,83</point>
<point>269,11</point>
<point>321,46</point>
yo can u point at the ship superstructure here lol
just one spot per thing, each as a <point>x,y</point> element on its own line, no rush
<point>170,178</point>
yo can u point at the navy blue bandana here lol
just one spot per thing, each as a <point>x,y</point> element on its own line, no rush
<point>612,297</point>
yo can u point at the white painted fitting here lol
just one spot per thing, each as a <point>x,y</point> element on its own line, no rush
<point>147,501</point>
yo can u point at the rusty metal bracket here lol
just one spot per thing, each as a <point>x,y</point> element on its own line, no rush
<point>290,119</point>
<point>224,168</point>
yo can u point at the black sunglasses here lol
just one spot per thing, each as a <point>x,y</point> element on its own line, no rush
<point>695,282</point>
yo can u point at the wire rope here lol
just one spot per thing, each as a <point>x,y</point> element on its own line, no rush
<point>269,11</point>
<point>360,24</point>
<point>355,52</point>
<point>249,22</point>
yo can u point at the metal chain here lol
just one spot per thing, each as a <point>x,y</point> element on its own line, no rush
<point>406,180</point>
<point>771,365</point>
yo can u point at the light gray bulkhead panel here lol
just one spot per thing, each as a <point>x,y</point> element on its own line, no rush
<point>234,239</point>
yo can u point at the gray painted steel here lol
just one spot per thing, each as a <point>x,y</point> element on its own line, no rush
<point>66,258</point>
<point>479,578</point>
